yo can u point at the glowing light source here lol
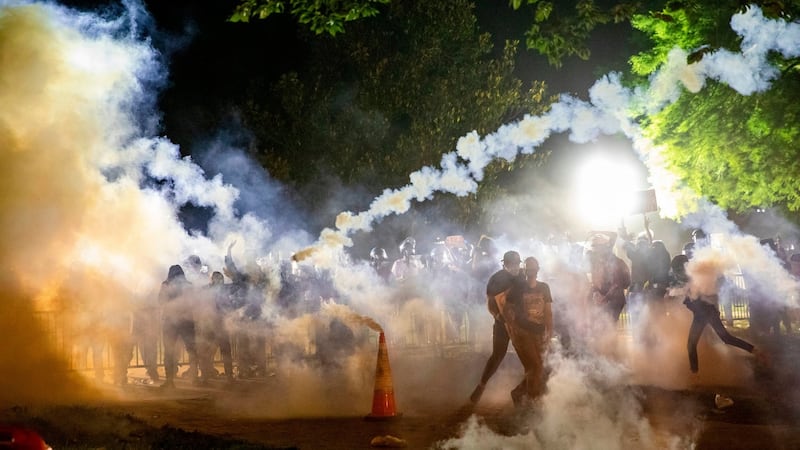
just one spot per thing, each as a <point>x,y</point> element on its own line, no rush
<point>605,191</point>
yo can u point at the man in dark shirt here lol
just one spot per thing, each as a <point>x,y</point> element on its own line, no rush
<point>529,320</point>
<point>496,289</point>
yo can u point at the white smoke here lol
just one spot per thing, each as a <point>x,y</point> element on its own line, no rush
<point>89,192</point>
<point>589,404</point>
<point>610,109</point>
<point>91,198</point>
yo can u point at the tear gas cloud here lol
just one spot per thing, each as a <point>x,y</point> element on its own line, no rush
<point>92,203</point>
<point>609,110</point>
<point>589,404</point>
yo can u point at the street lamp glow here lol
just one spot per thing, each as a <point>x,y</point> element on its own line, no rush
<point>605,191</point>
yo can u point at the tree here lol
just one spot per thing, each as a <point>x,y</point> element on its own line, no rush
<point>559,29</point>
<point>562,29</point>
<point>321,16</point>
<point>740,151</point>
<point>389,97</point>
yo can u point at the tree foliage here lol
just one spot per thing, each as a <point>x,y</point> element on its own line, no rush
<point>558,29</point>
<point>562,29</point>
<point>388,98</point>
<point>321,16</point>
<point>740,151</point>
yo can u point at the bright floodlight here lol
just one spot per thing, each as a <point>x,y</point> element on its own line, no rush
<point>605,191</point>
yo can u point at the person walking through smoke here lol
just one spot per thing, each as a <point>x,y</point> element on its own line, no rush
<point>177,323</point>
<point>702,300</point>
<point>529,320</point>
<point>699,241</point>
<point>497,286</point>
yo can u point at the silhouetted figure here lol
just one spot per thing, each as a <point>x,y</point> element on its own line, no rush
<point>659,264</point>
<point>409,265</point>
<point>482,265</point>
<point>496,289</point>
<point>702,300</point>
<point>638,253</point>
<point>449,284</point>
<point>212,329</point>
<point>379,261</point>
<point>146,328</point>
<point>248,292</point>
<point>178,322</point>
<point>678,278</point>
<point>529,321</point>
<point>610,277</point>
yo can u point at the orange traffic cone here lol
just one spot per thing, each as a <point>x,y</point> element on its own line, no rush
<point>383,406</point>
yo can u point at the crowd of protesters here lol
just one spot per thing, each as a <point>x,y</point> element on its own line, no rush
<point>200,314</point>
<point>206,315</point>
<point>526,311</point>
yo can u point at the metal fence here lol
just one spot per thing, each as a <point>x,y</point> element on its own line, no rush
<point>733,307</point>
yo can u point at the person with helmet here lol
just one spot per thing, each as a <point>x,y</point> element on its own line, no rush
<point>404,274</point>
<point>496,290</point>
<point>449,286</point>
<point>484,263</point>
<point>484,259</point>
<point>463,255</point>
<point>409,264</point>
<point>379,261</point>
<point>699,237</point>
<point>441,258</point>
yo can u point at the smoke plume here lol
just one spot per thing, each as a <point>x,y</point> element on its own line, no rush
<point>609,110</point>
<point>91,202</point>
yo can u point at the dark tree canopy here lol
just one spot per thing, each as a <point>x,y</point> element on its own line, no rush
<point>387,98</point>
<point>321,16</point>
<point>562,29</point>
<point>396,92</point>
<point>558,29</point>
<point>740,151</point>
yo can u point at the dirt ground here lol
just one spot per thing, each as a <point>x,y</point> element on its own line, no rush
<point>135,415</point>
<point>431,393</point>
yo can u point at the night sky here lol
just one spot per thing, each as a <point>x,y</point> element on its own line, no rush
<point>210,63</point>
<point>210,59</point>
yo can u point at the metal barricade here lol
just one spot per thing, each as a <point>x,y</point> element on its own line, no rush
<point>453,332</point>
